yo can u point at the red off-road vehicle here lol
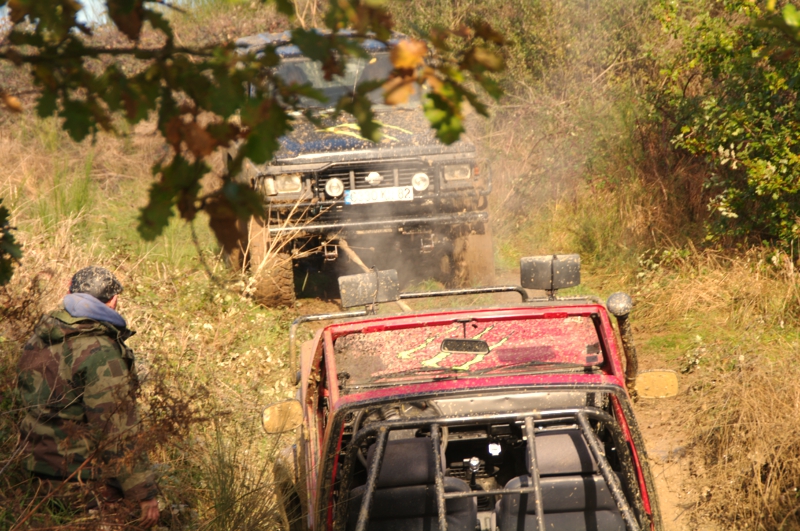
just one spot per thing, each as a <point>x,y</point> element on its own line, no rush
<point>515,418</point>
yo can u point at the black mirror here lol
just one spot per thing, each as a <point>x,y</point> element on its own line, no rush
<point>369,288</point>
<point>282,416</point>
<point>550,273</point>
<point>469,346</point>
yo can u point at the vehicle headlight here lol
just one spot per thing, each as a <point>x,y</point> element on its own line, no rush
<point>334,187</point>
<point>420,182</point>
<point>266,185</point>
<point>459,172</point>
<point>290,183</point>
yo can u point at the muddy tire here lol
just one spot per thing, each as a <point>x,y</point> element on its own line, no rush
<point>290,504</point>
<point>472,259</point>
<point>272,270</point>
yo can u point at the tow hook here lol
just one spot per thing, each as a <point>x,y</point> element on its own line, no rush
<point>331,252</point>
<point>620,305</point>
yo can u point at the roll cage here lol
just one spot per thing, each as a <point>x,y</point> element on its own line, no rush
<point>582,416</point>
<point>625,484</point>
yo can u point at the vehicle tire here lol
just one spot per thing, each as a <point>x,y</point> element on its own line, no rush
<point>272,269</point>
<point>290,509</point>
<point>289,503</point>
<point>472,259</point>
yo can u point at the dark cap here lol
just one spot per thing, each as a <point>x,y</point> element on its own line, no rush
<point>98,282</point>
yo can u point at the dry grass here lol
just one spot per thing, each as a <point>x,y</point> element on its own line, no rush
<point>758,288</point>
<point>729,324</point>
<point>746,437</point>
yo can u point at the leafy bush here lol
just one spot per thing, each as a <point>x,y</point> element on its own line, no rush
<point>732,90</point>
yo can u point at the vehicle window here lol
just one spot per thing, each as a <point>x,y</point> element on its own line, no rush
<point>300,71</point>
<point>514,346</point>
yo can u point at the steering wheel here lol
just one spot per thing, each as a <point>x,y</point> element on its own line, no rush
<point>417,409</point>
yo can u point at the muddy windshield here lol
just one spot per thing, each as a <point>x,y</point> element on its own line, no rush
<point>374,68</point>
<point>513,347</point>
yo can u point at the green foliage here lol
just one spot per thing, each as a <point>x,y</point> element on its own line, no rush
<point>732,90</point>
<point>787,21</point>
<point>93,88</point>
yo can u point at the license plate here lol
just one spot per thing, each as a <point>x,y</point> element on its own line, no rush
<point>378,195</point>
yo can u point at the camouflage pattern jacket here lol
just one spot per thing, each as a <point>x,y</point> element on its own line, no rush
<point>76,379</point>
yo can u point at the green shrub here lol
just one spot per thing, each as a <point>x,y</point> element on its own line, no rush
<point>731,89</point>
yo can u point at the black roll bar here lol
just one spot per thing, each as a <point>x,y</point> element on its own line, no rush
<point>372,478</point>
<point>581,415</point>
<point>436,436</point>
<point>534,468</point>
<point>605,469</point>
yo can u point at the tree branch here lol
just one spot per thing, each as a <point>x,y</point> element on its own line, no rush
<point>94,52</point>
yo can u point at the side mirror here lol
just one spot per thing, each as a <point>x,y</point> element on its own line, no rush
<point>282,416</point>
<point>369,288</point>
<point>657,384</point>
<point>550,273</point>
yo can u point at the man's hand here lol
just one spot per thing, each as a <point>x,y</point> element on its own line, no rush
<point>149,516</point>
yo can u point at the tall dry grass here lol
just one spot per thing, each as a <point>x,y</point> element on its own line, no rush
<point>729,323</point>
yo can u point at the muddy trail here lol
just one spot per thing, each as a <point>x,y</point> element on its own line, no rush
<point>665,434</point>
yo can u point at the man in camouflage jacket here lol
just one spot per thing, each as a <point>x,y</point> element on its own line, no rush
<point>77,382</point>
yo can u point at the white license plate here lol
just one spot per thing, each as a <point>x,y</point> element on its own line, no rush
<point>378,195</point>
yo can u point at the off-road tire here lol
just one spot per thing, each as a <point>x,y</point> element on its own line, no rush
<point>472,258</point>
<point>272,270</point>
<point>290,505</point>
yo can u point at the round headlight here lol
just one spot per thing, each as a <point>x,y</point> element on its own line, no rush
<point>420,182</point>
<point>334,187</point>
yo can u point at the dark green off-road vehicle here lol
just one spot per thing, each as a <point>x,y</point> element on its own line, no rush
<point>408,201</point>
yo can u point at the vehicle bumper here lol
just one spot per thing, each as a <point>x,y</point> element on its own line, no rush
<point>436,220</point>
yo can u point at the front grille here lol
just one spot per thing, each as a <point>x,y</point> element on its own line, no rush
<point>377,211</point>
<point>354,177</point>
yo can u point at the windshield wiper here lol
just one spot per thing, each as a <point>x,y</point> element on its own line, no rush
<point>429,374</point>
<point>534,363</point>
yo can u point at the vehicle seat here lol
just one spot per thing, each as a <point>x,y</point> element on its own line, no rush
<point>405,496</point>
<point>575,495</point>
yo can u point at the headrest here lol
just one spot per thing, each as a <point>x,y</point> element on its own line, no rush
<point>406,462</point>
<point>562,453</point>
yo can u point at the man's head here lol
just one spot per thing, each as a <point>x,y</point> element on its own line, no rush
<point>98,282</point>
